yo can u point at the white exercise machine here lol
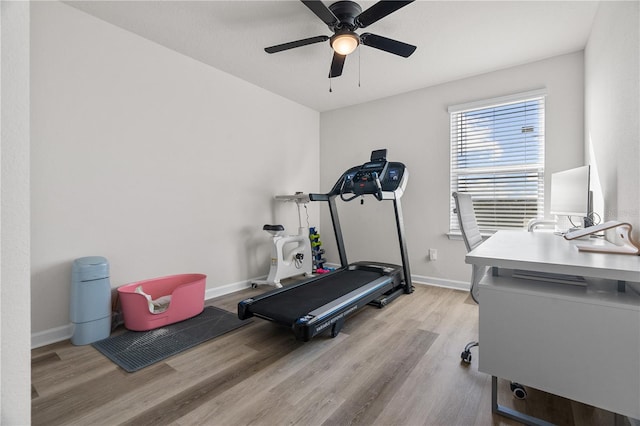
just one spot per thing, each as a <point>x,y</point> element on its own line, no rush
<point>290,254</point>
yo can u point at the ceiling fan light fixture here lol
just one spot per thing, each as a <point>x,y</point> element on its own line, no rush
<point>345,43</point>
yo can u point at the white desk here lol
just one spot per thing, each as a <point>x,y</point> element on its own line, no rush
<point>582,343</point>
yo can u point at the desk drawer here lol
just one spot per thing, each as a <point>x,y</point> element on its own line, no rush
<point>570,344</point>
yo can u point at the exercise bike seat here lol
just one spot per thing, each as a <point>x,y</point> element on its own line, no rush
<point>273,228</point>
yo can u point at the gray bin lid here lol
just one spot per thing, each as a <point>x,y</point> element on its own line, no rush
<point>90,268</point>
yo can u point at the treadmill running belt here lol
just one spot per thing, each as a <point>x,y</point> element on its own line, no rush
<point>288,306</point>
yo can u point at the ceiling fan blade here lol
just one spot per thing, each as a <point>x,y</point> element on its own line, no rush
<point>321,11</point>
<point>336,65</point>
<point>379,11</point>
<point>388,45</point>
<point>297,43</point>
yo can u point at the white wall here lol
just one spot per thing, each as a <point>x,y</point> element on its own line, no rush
<point>415,129</point>
<point>158,162</point>
<point>15,365</point>
<point>612,111</point>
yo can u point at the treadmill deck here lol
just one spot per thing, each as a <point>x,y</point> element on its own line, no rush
<point>310,306</point>
<point>288,306</point>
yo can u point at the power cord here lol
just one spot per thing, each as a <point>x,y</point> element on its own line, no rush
<point>590,220</point>
<point>472,292</point>
<point>306,211</point>
<point>344,181</point>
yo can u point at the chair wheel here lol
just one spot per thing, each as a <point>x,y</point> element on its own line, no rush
<point>254,285</point>
<point>518,390</point>
<point>466,357</point>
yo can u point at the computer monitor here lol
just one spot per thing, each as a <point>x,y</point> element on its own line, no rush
<point>571,195</point>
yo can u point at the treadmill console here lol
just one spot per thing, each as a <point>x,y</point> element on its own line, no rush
<point>374,177</point>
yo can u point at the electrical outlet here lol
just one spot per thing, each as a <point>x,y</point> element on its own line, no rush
<point>433,254</point>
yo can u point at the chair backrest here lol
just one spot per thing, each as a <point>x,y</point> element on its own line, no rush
<point>467,220</point>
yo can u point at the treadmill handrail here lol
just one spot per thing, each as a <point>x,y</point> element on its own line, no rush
<point>319,197</point>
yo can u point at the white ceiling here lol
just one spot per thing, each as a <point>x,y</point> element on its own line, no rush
<point>455,39</point>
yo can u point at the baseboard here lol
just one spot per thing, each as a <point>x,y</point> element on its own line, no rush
<point>424,280</point>
<point>58,334</point>
<point>53,335</point>
<point>440,282</point>
<point>212,293</point>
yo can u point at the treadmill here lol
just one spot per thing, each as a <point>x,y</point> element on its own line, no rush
<point>322,303</point>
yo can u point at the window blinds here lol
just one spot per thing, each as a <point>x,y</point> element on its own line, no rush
<point>497,155</point>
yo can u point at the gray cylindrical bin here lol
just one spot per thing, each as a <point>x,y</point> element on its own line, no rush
<point>90,308</point>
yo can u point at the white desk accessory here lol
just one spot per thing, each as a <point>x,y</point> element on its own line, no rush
<point>623,231</point>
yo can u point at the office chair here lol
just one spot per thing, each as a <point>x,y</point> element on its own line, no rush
<point>470,234</point>
<point>472,239</point>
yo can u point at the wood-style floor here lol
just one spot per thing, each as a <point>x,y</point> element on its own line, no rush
<point>399,365</point>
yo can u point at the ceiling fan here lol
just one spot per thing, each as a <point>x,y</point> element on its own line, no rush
<point>344,18</point>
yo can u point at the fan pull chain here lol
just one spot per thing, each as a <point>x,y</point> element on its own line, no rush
<point>358,67</point>
<point>330,90</point>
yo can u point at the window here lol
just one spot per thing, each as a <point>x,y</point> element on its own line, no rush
<point>497,155</point>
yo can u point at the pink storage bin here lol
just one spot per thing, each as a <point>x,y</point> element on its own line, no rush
<point>187,300</point>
